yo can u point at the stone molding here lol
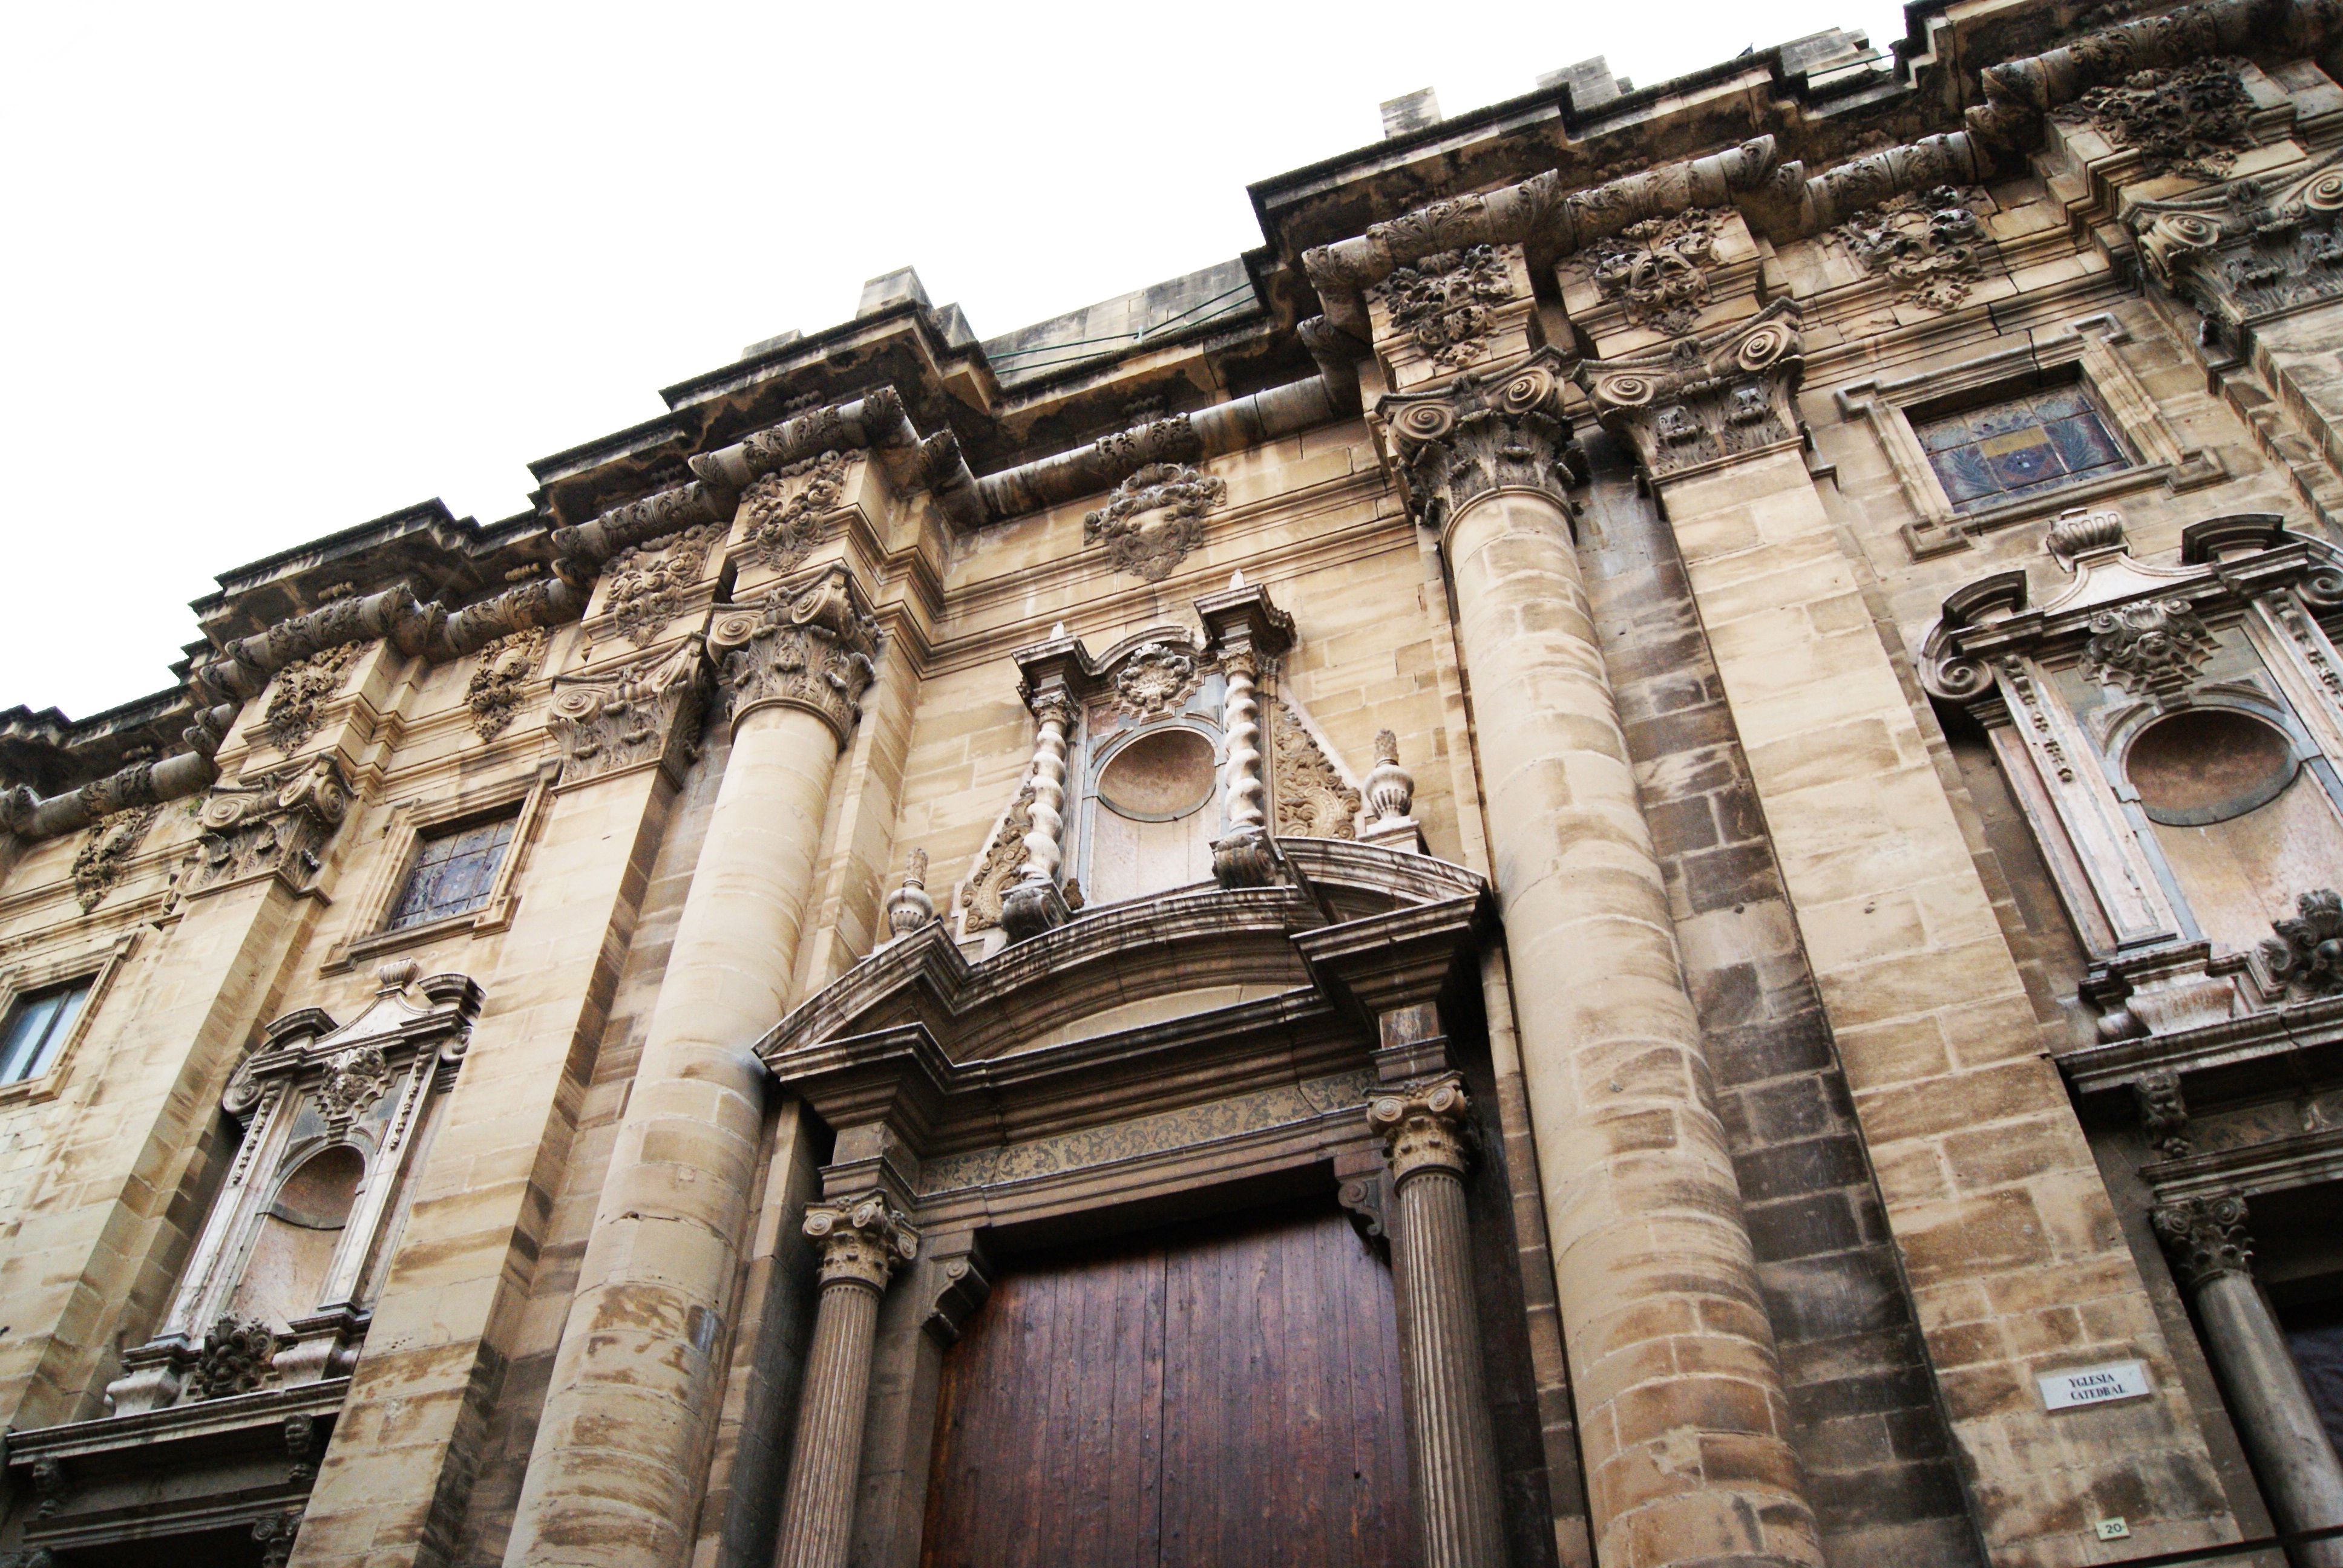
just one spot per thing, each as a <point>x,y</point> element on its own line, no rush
<point>1425,1124</point>
<point>1501,429</point>
<point>643,712</point>
<point>862,1240</point>
<point>1703,401</point>
<point>2205,1236</point>
<point>810,646</point>
<point>278,826</point>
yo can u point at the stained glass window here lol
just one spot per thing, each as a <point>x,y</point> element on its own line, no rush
<point>453,875</point>
<point>2028,445</point>
<point>36,1028</point>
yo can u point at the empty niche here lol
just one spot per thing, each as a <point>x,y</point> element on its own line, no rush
<point>1152,832</point>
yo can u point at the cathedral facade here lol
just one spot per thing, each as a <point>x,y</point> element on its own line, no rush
<point>1624,857</point>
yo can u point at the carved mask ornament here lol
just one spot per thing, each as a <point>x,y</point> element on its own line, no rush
<point>1658,269</point>
<point>1154,520</point>
<point>2190,118</point>
<point>1446,302</point>
<point>1929,243</point>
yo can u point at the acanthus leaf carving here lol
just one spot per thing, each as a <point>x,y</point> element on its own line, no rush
<point>2150,648</point>
<point>1657,270</point>
<point>355,1080</point>
<point>1004,858</point>
<point>1313,801</point>
<point>99,864</point>
<point>2307,951</point>
<point>862,1241</point>
<point>300,689</point>
<point>1446,302</point>
<point>1703,400</point>
<point>644,710</point>
<point>1487,431</point>
<point>1929,243</point>
<point>811,645</point>
<point>1154,520</point>
<point>1425,1123</point>
<point>787,508</point>
<point>280,824</point>
<point>500,678</point>
<point>2257,247</point>
<point>2190,118</point>
<point>2205,1236</point>
<point>650,582</point>
<point>235,1360</point>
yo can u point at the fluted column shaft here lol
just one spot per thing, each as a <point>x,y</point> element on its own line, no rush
<point>2301,1478</point>
<point>1451,1445</point>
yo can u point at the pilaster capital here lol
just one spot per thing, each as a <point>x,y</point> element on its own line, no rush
<point>276,826</point>
<point>639,713</point>
<point>1700,402</point>
<point>1502,429</point>
<point>2206,1237</point>
<point>862,1240</point>
<point>809,645</point>
<point>1425,1124</point>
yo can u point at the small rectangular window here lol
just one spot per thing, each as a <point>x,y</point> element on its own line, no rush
<point>35,1027</point>
<point>454,874</point>
<point>2023,446</point>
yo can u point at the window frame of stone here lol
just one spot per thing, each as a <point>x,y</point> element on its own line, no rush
<point>2086,354</point>
<point>412,823</point>
<point>98,966</point>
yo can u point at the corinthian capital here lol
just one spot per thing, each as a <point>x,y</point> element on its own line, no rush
<point>862,1241</point>
<point>1703,401</point>
<point>2206,1237</point>
<point>810,645</point>
<point>1425,1123</point>
<point>640,713</point>
<point>1483,433</point>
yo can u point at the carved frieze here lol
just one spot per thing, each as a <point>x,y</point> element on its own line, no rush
<point>2190,117</point>
<point>1657,270</point>
<point>1446,303</point>
<point>1003,858</point>
<point>644,710</point>
<point>1156,678</point>
<point>500,678</point>
<point>99,864</point>
<point>2258,247</point>
<point>280,824</point>
<point>1313,801</point>
<point>235,1360</point>
<point>650,582</point>
<point>300,689</point>
<point>1702,400</point>
<point>809,646</point>
<point>1496,430</point>
<point>785,510</point>
<point>1425,1124</point>
<point>2306,954</point>
<point>2205,1237</point>
<point>1929,243</point>
<point>862,1241</point>
<point>2150,648</point>
<point>1154,520</point>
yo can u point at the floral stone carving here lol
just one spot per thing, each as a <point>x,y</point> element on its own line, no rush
<point>2206,1237</point>
<point>235,1360</point>
<point>2152,649</point>
<point>98,865</point>
<point>808,647</point>
<point>1312,801</point>
<point>1156,678</point>
<point>786,509</point>
<point>1003,858</point>
<point>649,581</point>
<point>1658,269</point>
<point>2255,248</point>
<point>1501,429</point>
<point>1447,302</point>
<point>2308,950</point>
<point>1929,243</point>
<point>355,1080</point>
<point>643,711</point>
<point>2190,118</point>
<point>1155,518</point>
<point>501,680</point>
<point>862,1241</point>
<point>299,690</point>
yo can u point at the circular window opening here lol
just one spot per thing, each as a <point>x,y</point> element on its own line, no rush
<point>1159,777</point>
<point>2206,765</point>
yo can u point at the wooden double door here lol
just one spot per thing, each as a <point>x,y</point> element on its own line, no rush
<point>1222,1395</point>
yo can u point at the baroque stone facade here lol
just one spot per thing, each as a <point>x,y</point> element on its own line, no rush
<point>1633,865</point>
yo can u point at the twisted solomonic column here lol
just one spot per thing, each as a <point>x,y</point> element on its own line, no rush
<point>1032,904</point>
<point>862,1241</point>
<point>1426,1129</point>
<point>1242,858</point>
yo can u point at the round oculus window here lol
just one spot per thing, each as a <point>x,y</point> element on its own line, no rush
<point>1159,777</point>
<point>2206,765</point>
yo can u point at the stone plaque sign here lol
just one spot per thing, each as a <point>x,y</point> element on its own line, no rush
<point>2094,1386</point>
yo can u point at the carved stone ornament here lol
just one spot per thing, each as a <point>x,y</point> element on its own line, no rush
<point>1485,432</point>
<point>2189,118</point>
<point>1003,858</point>
<point>1245,857</point>
<point>1657,270</point>
<point>908,907</point>
<point>1703,400</point>
<point>650,582</point>
<point>1154,520</point>
<point>2152,648</point>
<point>300,689</point>
<point>1929,243</point>
<point>280,824</point>
<point>500,678</point>
<point>235,1360</point>
<point>355,1080</point>
<point>786,509</point>
<point>1156,678</point>
<point>1390,788</point>
<point>1312,801</point>
<point>99,864</point>
<point>2205,1237</point>
<point>1425,1124</point>
<point>2255,248</point>
<point>2164,1114</point>
<point>1447,302</point>
<point>277,1533</point>
<point>51,1485</point>
<point>862,1241</point>
<point>809,647</point>
<point>644,711</point>
<point>2307,953</point>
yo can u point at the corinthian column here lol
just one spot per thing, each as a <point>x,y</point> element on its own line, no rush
<point>1671,1351</point>
<point>1452,1449</point>
<point>2301,1477</point>
<point>621,1452</point>
<point>863,1241</point>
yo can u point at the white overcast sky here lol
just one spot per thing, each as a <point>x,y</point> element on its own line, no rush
<point>276,271</point>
